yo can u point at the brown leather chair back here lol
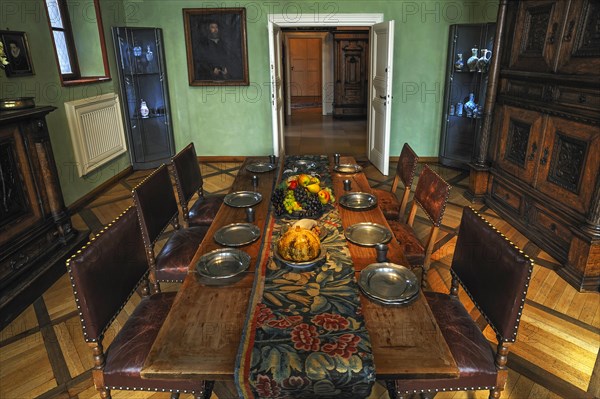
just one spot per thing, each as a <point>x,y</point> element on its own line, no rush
<point>432,194</point>
<point>493,271</point>
<point>188,177</point>
<point>407,165</point>
<point>106,272</point>
<point>156,204</point>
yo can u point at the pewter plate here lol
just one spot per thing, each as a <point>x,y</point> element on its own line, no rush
<point>318,261</point>
<point>305,163</point>
<point>358,201</point>
<point>237,234</point>
<point>242,199</point>
<point>367,234</point>
<point>347,168</point>
<point>389,283</point>
<point>260,167</point>
<point>223,263</point>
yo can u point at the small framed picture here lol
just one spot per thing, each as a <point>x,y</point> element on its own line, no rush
<point>215,40</point>
<point>16,49</point>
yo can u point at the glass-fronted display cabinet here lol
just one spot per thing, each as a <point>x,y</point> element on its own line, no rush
<point>144,95</point>
<point>469,54</point>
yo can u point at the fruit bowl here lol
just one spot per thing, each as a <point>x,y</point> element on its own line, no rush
<point>301,196</point>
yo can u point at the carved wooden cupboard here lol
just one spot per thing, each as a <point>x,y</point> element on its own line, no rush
<point>545,149</point>
<point>36,235</point>
<point>351,60</point>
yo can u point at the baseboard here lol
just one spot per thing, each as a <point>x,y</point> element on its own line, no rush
<point>92,195</point>
<point>421,159</point>
<point>219,158</point>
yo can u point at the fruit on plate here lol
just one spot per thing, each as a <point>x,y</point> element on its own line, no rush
<point>298,195</point>
<point>299,245</point>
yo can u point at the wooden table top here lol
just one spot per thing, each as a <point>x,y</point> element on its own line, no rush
<point>201,335</point>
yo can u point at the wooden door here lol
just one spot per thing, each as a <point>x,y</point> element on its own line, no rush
<point>580,42</point>
<point>305,67</point>
<point>520,142</point>
<point>569,162</point>
<point>537,34</point>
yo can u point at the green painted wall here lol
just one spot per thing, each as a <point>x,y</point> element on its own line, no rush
<point>30,16</point>
<point>237,120</point>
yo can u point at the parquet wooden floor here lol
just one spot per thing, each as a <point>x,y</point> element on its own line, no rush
<point>43,355</point>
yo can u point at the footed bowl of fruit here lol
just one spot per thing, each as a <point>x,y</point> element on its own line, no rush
<point>301,196</point>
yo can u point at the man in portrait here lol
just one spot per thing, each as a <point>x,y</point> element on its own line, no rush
<point>219,57</point>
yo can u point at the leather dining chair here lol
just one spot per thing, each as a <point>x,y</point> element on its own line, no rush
<point>431,195</point>
<point>495,274</point>
<point>405,173</point>
<point>188,180</point>
<point>157,209</point>
<point>104,275</point>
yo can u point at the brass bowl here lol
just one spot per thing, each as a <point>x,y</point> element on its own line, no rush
<point>7,104</point>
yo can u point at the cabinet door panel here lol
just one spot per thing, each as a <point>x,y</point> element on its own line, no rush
<point>520,142</point>
<point>570,162</point>
<point>580,47</point>
<point>537,35</point>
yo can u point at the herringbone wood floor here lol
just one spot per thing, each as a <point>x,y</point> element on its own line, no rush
<point>43,355</point>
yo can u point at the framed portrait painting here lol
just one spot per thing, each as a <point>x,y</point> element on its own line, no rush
<point>16,49</point>
<point>215,41</point>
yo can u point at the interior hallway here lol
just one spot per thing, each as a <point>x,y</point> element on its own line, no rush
<point>308,132</point>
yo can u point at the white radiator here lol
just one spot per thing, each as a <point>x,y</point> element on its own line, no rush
<point>97,131</point>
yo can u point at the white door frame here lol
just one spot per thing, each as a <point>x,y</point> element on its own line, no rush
<point>284,21</point>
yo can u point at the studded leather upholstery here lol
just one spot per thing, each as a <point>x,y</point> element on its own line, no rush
<point>496,276</point>
<point>405,172</point>
<point>204,210</point>
<point>157,208</point>
<point>174,258</point>
<point>432,194</point>
<point>388,202</point>
<point>104,274</point>
<point>188,180</point>
<point>413,248</point>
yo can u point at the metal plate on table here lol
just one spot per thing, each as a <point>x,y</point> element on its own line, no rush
<point>241,199</point>
<point>318,261</point>
<point>358,201</point>
<point>347,168</point>
<point>260,167</point>
<point>305,164</point>
<point>389,283</point>
<point>367,234</point>
<point>237,234</point>
<point>223,263</point>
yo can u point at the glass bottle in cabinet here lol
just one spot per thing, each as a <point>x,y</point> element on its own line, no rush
<point>144,95</point>
<point>464,91</point>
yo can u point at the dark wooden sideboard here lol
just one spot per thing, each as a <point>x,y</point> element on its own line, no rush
<point>544,146</point>
<point>36,234</point>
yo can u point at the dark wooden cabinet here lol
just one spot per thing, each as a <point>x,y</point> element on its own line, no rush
<point>557,36</point>
<point>351,63</point>
<point>545,147</point>
<point>459,130</point>
<point>145,95</point>
<point>36,234</point>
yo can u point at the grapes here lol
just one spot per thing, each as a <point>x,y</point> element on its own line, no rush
<point>299,199</point>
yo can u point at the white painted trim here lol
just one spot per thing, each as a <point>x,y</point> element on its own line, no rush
<point>325,19</point>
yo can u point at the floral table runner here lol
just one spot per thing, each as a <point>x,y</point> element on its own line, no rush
<point>305,336</point>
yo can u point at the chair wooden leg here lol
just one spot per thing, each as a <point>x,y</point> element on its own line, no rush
<point>495,393</point>
<point>174,395</point>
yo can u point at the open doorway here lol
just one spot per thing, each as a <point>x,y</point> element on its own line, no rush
<point>326,88</point>
<point>379,105</point>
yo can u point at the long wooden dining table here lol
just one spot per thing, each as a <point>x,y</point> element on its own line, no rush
<point>200,337</point>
